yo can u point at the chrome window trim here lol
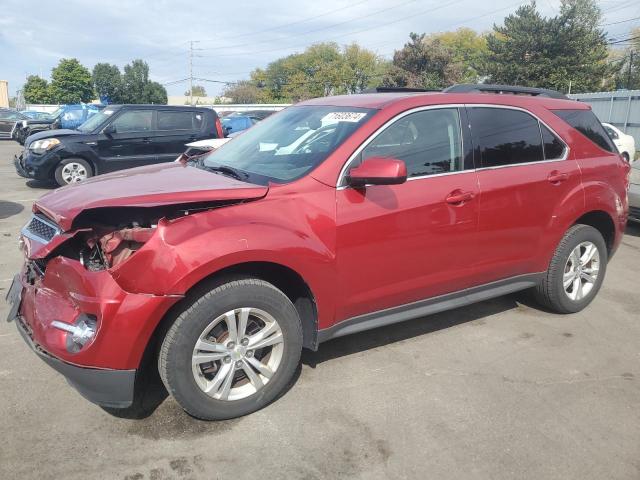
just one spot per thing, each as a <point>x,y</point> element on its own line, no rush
<point>341,184</point>
<point>26,233</point>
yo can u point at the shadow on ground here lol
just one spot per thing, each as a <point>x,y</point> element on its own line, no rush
<point>9,209</point>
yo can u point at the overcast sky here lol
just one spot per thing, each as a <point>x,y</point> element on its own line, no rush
<point>234,36</point>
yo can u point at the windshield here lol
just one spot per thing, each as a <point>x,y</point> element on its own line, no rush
<point>288,145</point>
<point>95,120</point>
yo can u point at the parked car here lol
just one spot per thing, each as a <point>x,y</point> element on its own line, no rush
<point>625,144</point>
<point>236,123</point>
<point>219,272</point>
<point>634,192</point>
<point>118,137</point>
<point>65,117</point>
<point>195,149</point>
<point>36,115</point>
<point>8,120</point>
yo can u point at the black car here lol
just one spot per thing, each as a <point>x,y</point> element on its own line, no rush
<point>119,137</point>
<point>8,120</point>
<point>67,116</point>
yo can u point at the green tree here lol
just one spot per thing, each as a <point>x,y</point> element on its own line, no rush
<point>70,82</point>
<point>136,86</point>
<point>36,90</point>
<point>532,50</point>
<point>107,82</point>
<point>198,91</point>
<point>468,48</point>
<point>322,69</point>
<point>627,63</point>
<point>154,93</point>
<point>243,91</point>
<point>424,62</point>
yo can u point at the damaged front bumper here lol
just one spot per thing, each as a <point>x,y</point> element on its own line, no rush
<point>47,295</point>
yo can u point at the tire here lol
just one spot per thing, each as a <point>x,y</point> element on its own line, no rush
<point>186,379</point>
<point>82,168</point>
<point>552,293</point>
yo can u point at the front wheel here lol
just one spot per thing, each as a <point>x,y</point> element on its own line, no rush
<point>72,170</point>
<point>232,351</point>
<point>576,271</point>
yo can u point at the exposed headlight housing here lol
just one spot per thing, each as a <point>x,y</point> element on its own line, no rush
<point>41,146</point>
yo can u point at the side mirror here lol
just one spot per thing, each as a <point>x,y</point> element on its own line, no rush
<point>378,171</point>
<point>109,129</point>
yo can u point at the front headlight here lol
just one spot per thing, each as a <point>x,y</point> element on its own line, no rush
<point>635,176</point>
<point>41,146</point>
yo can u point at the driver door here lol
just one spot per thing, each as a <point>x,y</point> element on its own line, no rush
<point>398,244</point>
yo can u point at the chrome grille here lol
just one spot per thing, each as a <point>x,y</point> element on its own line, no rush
<point>40,229</point>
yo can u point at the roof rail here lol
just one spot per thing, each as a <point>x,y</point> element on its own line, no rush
<point>510,89</point>
<point>397,89</point>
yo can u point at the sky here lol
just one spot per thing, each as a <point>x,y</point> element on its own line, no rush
<point>233,38</point>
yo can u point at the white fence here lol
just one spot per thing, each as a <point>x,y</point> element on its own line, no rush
<point>226,107</point>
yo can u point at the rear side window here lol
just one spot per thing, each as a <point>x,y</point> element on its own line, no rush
<point>588,124</point>
<point>175,120</point>
<point>505,137</point>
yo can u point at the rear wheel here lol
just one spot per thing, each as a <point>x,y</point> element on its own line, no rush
<point>72,170</point>
<point>234,350</point>
<point>576,271</point>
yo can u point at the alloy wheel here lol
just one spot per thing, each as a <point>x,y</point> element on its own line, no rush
<point>237,354</point>
<point>581,271</point>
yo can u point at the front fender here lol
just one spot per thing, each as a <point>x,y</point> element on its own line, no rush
<point>299,235</point>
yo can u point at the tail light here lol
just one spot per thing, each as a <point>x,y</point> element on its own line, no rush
<point>219,132</point>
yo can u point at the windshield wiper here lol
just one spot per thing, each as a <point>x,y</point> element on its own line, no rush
<point>229,171</point>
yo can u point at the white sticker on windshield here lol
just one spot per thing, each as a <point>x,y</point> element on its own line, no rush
<point>343,117</point>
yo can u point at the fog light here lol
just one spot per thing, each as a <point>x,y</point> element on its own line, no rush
<point>78,334</point>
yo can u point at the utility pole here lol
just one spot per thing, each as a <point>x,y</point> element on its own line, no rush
<point>629,73</point>
<point>191,49</point>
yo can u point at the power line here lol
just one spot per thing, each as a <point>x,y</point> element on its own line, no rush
<point>621,21</point>
<point>377,12</point>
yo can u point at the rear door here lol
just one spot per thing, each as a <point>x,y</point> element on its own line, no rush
<point>175,129</point>
<point>524,177</point>
<point>130,145</point>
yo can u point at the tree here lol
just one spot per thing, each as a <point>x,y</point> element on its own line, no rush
<point>36,90</point>
<point>243,91</point>
<point>424,62</point>
<point>155,93</point>
<point>322,69</point>
<point>198,91</point>
<point>107,82</point>
<point>627,63</point>
<point>531,50</point>
<point>468,48</point>
<point>136,86</point>
<point>70,82</point>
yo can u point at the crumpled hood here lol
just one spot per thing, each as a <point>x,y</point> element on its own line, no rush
<point>62,132</point>
<point>150,186</point>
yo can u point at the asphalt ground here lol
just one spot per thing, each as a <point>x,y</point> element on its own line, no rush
<point>497,390</point>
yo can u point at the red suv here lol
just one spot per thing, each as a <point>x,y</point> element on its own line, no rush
<point>334,216</point>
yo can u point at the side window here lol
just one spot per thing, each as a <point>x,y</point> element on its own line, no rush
<point>175,120</point>
<point>72,115</point>
<point>588,124</point>
<point>134,121</point>
<point>429,142</point>
<point>505,137</point>
<point>553,146</point>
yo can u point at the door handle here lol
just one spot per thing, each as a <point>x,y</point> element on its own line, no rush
<point>146,140</point>
<point>458,197</point>
<point>557,177</point>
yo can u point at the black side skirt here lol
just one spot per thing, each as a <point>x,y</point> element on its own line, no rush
<point>429,306</point>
